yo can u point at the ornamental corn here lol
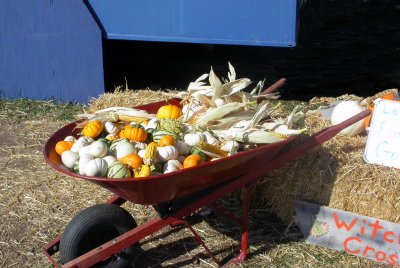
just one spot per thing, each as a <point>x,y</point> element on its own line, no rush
<point>211,150</point>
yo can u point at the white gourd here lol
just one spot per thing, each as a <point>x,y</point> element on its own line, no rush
<point>96,167</point>
<point>166,153</point>
<point>171,166</point>
<point>153,123</point>
<point>141,153</point>
<point>70,138</point>
<point>68,158</point>
<point>110,159</point>
<point>193,139</point>
<point>98,149</point>
<point>84,158</point>
<point>140,146</point>
<point>183,148</point>
<point>83,150</point>
<point>81,142</point>
<point>110,127</point>
<point>345,110</point>
<point>123,149</point>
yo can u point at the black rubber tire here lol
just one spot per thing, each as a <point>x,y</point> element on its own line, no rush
<point>93,227</point>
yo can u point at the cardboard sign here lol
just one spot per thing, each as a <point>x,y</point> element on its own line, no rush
<point>358,235</point>
<point>383,143</point>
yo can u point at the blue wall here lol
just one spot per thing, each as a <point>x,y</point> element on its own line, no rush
<point>49,49</point>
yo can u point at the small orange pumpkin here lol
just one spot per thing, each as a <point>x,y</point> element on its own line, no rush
<point>192,160</point>
<point>167,140</point>
<point>132,160</point>
<point>367,120</point>
<point>169,111</point>
<point>93,129</point>
<point>62,146</point>
<point>133,133</point>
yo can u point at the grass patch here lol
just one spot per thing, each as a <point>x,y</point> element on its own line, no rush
<point>24,109</point>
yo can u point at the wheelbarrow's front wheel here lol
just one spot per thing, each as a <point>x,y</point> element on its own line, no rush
<point>93,227</point>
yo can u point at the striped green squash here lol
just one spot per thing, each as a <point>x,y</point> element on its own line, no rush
<point>118,170</point>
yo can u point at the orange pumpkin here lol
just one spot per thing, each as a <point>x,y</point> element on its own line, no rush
<point>167,140</point>
<point>133,133</point>
<point>93,129</point>
<point>169,111</point>
<point>132,160</point>
<point>62,146</point>
<point>192,160</point>
<point>367,120</point>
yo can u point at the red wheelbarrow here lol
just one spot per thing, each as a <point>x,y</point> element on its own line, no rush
<point>106,235</point>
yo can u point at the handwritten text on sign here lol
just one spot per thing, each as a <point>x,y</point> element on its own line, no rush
<point>358,235</point>
<point>383,144</point>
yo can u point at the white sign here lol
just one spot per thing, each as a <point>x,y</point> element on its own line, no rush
<point>383,143</point>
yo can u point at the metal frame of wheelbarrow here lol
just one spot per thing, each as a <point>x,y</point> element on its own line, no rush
<point>177,217</point>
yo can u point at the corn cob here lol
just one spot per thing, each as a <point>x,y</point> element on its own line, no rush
<point>211,150</point>
<point>150,154</point>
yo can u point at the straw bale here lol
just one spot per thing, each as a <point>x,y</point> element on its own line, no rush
<point>334,174</point>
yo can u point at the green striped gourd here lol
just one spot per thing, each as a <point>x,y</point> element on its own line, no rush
<point>118,170</point>
<point>161,133</point>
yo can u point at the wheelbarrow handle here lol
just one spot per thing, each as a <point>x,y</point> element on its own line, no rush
<point>278,84</point>
<point>288,154</point>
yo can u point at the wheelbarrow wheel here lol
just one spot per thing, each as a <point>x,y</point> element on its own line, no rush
<point>93,227</point>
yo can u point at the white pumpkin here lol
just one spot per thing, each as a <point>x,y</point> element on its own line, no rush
<point>96,167</point>
<point>110,127</point>
<point>166,153</point>
<point>141,153</point>
<point>84,158</point>
<point>209,138</point>
<point>98,149</point>
<point>110,159</point>
<point>140,146</point>
<point>183,148</point>
<point>83,150</point>
<point>81,142</point>
<point>344,110</point>
<point>70,138</point>
<point>193,139</point>
<point>123,149</point>
<point>153,123</point>
<point>68,158</point>
<point>171,166</point>
<point>230,147</point>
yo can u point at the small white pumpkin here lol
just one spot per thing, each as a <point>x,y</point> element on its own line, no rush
<point>209,138</point>
<point>84,158</point>
<point>68,158</point>
<point>344,110</point>
<point>96,167</point>
<point>141,153</point>
<point>166,153</point>
<point>98,149</point>
<point>193,139</point>
<point>81,142</point>
<point>83,150</point>
<point>110,159</point>
<point>110,127</point>
<point>230,147</point>
<point>140,146</point>
<point>153,123</point>
<point>171,166</point>
<point>123,149</point>
<point>70,139</point>
<point>183,148</point>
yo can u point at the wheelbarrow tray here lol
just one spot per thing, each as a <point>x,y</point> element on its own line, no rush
<point>166,187</point>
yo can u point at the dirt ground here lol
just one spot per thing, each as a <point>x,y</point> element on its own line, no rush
<point>36,203</point>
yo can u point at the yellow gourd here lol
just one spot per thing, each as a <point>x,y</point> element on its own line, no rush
<point>169,111</point>
<point>143,171</point>
<point>93,129</point>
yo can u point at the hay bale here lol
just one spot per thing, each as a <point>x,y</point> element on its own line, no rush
<point>334,175</point>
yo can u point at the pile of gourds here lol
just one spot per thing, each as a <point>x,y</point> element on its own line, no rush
<point>123,149</point>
